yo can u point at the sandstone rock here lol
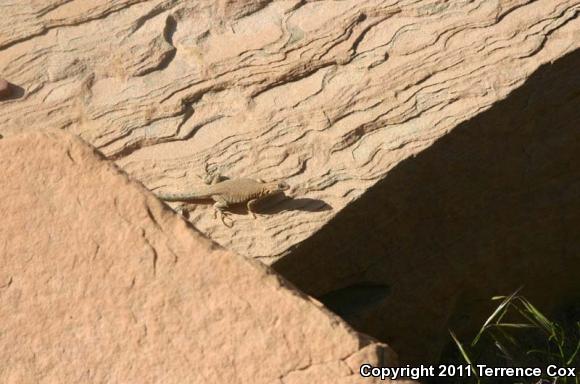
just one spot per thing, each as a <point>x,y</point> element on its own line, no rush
<point>102,283</point>
<point>5,90</point>
<point>355,104</point>
<point>331,95</point>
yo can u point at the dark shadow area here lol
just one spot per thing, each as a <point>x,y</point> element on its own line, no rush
<point>492,206</point>
<point>16,92</point>
<point>169,55</point>
<point>277,204</point>
<point>352,302</point>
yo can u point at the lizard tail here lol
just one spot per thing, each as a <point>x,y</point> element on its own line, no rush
<point>180,196</point>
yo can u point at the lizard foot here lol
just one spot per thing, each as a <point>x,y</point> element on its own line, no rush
<point>223,217</point>
<point>182,211</point>
<point>231,221</point>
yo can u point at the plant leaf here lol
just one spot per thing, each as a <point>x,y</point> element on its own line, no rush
<point>464,354</point>
<point>498,310</point>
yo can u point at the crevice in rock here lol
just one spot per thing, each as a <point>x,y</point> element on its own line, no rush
<point>52,7</point>
<point>159,9</point>
<point>169,55</point>
<point>44,29</point>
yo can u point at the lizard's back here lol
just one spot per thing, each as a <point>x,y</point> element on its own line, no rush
<point>236,191</point>
<point>232,191</point>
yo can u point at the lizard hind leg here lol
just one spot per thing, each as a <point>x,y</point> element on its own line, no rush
<point>219,208</point>
<point>182,210</point>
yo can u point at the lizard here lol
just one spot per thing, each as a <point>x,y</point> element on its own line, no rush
<point>229,192</point>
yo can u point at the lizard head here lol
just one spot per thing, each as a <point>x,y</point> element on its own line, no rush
<point>278,186</point>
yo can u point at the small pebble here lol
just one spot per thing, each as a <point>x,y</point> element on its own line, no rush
<point>5,90</point>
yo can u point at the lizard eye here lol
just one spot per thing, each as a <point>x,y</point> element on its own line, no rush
<point>283,186</point>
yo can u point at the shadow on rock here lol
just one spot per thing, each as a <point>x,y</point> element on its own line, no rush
<point>12,92</point>
<point>491,206</point>
<point>277,204</point>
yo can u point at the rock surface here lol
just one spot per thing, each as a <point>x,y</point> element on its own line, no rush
<point>329,95</point>
<point>430,168</point>
<point>101,283</point>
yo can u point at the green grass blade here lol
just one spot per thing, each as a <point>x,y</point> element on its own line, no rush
<point>538,316</point>
<point>530,318</point>
<point>505,353</point>
<point>464,354</point>
<point>500,308</point>
<point>512,325</point>
<point>575,353</point>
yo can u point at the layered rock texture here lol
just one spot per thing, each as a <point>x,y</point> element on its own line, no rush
<point>101,283</point>
<point>430,145</point>
<point>328,94</point>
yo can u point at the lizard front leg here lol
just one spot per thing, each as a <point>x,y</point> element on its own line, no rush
<point>250,206</point>
<point>211,177</point>
<point>219,207</point>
